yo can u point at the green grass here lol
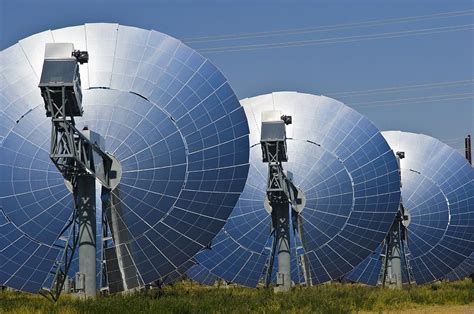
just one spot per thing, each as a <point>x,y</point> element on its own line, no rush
<point>186,297</point>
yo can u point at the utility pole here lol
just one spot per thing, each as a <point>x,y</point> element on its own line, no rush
<point>468,149</point>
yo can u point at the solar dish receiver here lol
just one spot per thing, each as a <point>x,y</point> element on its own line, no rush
<point>437,224</point>
<point>327,198</point>
<point>151,120</point>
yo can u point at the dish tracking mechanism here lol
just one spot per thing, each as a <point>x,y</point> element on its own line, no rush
<point>281,192</point>
<point>333,168</point>
<point>153,121</point>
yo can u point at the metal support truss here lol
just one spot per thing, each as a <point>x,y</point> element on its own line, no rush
<point>279,186</point>
<point>70,233</point>
<point>105,197</point>
<point>396,258</point>
<point>71,151</point>
<point>268,271</point>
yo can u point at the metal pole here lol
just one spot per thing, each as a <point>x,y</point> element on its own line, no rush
<point>87,232</point>
<point>67,286</point>
<point>467,143</point>
<point>469,149</point>
<point>283,245</point>
<point>385,261</point>
<point>466,148</point>
<point>269,271</point>
<point>394,251</point>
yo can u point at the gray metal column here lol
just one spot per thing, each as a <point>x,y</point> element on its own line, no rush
<point>282,228</point>
<point>394,256</point>
<point>87,233</point>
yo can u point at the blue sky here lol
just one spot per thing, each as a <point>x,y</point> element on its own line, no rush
<point>445,55</point>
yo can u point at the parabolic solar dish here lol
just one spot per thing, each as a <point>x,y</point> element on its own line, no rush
<point>438,193</point>
<point>350,181</point>
<point>166,113</point>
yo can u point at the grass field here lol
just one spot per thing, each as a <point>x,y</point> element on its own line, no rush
<point>187,297</point>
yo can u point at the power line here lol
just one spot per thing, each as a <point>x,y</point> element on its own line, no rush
<point>335,40</point>
<point>417,102</point>
<point>402,88</point>
<point>297,31</point>
<point>413,100</point>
